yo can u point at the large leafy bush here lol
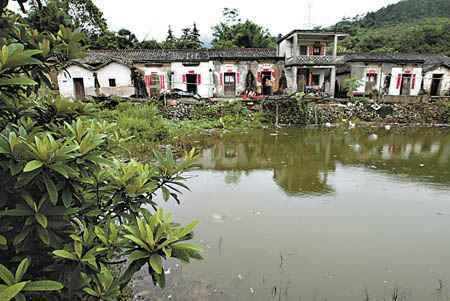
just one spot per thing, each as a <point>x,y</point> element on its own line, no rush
<point>70,211</point>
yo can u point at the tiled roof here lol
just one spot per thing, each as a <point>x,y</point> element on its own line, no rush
<point>129,56</point>
<point>428,60</point>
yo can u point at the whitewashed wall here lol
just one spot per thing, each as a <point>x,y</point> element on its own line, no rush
<point>445,85</point>
<point>65,80</point>
<point>206,71</point>
<point>119,72</point>
<point>395,88</point>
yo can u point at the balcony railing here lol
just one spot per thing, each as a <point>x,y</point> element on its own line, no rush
<point>311,60</point>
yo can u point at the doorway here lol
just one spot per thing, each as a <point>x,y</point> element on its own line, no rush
<point>78,84</point>
<point>436,82</point>
<point>266,82</point>
<point>229,84</point>
<point>405,89</point>
<point>191,83</point>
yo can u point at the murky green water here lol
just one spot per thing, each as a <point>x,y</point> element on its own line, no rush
<point>319,215</point>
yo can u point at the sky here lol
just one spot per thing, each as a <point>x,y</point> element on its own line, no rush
<point>149,19</point>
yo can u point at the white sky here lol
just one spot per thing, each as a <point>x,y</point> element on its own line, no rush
<point>151,18</point>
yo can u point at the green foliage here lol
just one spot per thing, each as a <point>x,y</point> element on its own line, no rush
<point>80,14</point>
<point>409,26</point>
<point>425,36</point>
<point>233,33</point>
<point>70,210</point>
<point>350,85</point>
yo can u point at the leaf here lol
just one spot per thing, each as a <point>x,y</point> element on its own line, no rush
<point>6,275</point>
<point>166,193</point>
<point>136,255</point>
<point>43,235</point>
<point>32,165</point>
<point>12,291</point>
<point>188,229</point>
<point>156,263</point>
<point>43,286</point>
<point>22,269</point>
<point>17,81</point>
<point>90,291</point>
<point>52,190</point>
<point>64,254</point>
<point>3,241</point>
<point>137,241</point>
<point>188,246</point>
<point>41,219</point>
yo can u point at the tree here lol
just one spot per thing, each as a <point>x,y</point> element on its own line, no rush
<point>81,14</point>
<point>233,33</point>
<point>70,209</point>
<point>149,44</point>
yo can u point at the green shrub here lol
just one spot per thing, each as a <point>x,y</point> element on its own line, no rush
<point>70,211</point>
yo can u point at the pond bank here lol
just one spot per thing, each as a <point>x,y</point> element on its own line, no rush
<point>153,125</point>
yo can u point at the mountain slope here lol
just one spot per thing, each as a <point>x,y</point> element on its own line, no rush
<point>412,26</point>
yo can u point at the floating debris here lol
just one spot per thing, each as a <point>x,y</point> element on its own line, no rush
<point>252,291</point>
<point>422,165</point>
<point>240,277</point>
<point>219,218</point>
<point>373,167</point>
<point>328,125</point>
<point>387,127</point>
<point>373,137</point>
<point>167,272</point>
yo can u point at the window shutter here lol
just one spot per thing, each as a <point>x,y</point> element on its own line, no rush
<point>399,81</point>
<point>199,79</point>
<point>221,79</point>
<point>238,78</point>
<point>148,80</point>
<point>161,82</point>
<point>184,78</point>
<point>413,84</point>
<point>311,50</point>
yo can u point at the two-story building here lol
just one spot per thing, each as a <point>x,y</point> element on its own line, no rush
<point>310,60</point>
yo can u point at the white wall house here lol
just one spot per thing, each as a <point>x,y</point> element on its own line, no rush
<point>436,81</point>
<point>78,80</point>
<point>194,77</point>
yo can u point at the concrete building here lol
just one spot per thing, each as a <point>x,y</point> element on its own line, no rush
<point>436,79</point>
<point>310,60</point>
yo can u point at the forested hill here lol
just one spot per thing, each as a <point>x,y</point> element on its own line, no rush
<point>405,11</point>
<point>419,26</point>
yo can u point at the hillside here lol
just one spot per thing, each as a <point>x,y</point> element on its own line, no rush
<point>420,26</point>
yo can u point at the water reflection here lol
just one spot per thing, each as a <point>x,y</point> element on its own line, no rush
<point>302,160</point>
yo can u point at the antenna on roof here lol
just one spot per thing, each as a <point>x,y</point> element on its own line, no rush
<point>309,23</point>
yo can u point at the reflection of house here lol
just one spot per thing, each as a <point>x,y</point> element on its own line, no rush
<point>311,58</point>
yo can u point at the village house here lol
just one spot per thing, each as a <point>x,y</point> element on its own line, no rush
<point>304,61</point>
<point>310,60</point>
<point>208,73</point>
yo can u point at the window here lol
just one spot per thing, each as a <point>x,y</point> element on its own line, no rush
<point>317,50</point>
<point>112,82</point>
<point>303,50</point>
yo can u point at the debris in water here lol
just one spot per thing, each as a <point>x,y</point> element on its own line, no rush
<point>274,291</point>
<point>252,291</point>
<point>328,125</point>
<point>274,134</point>
<point>422,165</point>
<point>167,272</point>
<point>373,137</point>
<point>240,277</point>
<point>169,297</point>
<point>387,127</point>
<point>218,217</point>
<point>373,167</point>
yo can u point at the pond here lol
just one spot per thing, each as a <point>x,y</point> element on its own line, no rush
<point>317,214</point>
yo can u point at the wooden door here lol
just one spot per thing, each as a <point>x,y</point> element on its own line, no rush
<point>230,84</point>
<point>406,85</point>
<point>78,84</point>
